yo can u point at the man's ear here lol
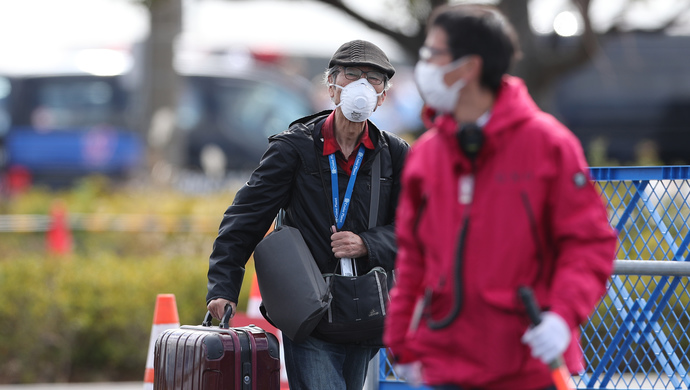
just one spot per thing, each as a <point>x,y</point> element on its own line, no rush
<point>331,91</point>
<point>381,99</point>
<point>331,88</point>
<point>474,67</point>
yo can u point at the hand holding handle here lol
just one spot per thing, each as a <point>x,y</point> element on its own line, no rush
<point>224,322</point>
<point>559,373</point>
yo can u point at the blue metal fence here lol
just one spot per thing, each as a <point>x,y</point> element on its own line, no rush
<point>637,337</point>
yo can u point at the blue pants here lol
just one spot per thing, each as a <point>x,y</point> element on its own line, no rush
<point>318,365</point>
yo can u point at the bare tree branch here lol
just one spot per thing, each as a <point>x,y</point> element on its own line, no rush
<point>409,43</point>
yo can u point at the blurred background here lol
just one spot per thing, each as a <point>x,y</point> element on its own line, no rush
<point>126,127</point>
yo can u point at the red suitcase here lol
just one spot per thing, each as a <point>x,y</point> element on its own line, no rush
<point>216,358</point>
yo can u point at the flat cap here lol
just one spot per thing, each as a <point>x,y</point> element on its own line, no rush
<point>360,52</point>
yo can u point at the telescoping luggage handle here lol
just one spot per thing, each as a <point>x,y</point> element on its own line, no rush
<point>224,322</point>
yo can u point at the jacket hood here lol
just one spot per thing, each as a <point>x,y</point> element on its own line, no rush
<point>513,106</point>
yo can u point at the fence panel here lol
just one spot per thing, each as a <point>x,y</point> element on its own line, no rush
<point>637,337</point>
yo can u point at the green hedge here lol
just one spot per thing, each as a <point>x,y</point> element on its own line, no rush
<point>79,319</point>
<point>88,316</point>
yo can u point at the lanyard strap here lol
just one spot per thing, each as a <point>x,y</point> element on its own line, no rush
<point>337,211</point>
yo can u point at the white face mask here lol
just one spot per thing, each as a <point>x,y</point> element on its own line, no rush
<point>357,100</point>
<point>434,91</point>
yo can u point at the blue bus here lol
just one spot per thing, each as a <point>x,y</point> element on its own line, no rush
<point>60,127</point>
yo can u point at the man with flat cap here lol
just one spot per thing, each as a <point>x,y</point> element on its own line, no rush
<point>295,175</point>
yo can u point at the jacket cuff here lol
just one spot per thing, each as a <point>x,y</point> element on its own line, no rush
<point>402,356</point>
<point>370,254</point>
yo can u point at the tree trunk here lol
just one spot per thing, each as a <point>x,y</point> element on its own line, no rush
<point>161,83</point>
<point>543,61</point>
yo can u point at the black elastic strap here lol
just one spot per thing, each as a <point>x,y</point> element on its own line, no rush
<point>375,190</point>
<point>246,357</point>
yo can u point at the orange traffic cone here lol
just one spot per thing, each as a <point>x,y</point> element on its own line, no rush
<point>254,315</point>
<point>164,317</point>
<point>58,236</point>
<point>254,300</point>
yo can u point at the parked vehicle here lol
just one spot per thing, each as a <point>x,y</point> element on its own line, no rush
<point>64,123</point>
<point>229,113</point>
<point>64,126</point>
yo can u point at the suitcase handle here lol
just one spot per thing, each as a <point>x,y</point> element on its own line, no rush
<point>224,322</point>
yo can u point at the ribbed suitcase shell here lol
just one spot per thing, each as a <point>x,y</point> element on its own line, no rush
<point>213,358</point>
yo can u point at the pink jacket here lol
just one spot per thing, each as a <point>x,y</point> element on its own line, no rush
<point>535,219</point>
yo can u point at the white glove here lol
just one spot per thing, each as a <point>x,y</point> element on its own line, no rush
<point>549,339</point>
<point>411,372</point>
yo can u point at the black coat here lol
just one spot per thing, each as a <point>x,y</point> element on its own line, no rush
<point>294,175</point>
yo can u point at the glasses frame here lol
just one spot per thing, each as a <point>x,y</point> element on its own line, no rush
<point>427,52</point>
<point>384,78</point>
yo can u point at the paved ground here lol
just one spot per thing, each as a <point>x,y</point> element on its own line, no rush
<point>78,386</point>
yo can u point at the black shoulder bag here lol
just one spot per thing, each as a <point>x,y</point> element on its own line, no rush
<point>357,309</point>
<point>294,295</point>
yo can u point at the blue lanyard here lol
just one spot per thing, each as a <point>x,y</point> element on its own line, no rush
<point>340,214</point>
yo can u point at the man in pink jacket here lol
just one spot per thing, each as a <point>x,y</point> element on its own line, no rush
<point>496,196</point>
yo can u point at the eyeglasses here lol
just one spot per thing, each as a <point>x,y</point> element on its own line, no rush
<point>427,52</point>
<point>374,77</point>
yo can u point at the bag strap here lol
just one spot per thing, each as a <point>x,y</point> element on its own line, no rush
<point>375,190</point>
<point>280,217</point>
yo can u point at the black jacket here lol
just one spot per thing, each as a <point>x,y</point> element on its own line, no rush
<point>294,175</point>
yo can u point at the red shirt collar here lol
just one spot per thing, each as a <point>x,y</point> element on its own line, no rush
<point>330,145</point>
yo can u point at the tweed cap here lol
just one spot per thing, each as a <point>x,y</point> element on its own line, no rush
<point>360,52</point>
